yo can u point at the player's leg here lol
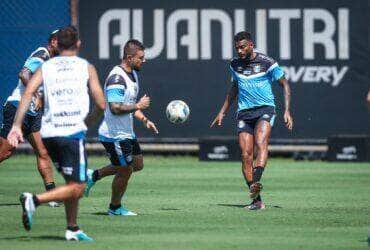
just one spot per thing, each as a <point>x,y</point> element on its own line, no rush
<point>262,135</point>
<point>70,155</point>
<point>246,144</point>
<point>43,160</point>
<point>6,150</point>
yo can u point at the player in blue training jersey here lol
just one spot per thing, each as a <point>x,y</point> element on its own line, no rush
<point>253,74</point>
<point>32,122</point>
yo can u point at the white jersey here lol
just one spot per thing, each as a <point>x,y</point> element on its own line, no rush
<point>33,62</point>
<point>66,96</point>
<point>123,88</point>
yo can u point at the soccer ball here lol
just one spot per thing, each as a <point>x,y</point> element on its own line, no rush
<point>177,111</point>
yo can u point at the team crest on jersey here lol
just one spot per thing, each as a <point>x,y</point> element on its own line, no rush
<point>257,68</point>
<point>241,124</point>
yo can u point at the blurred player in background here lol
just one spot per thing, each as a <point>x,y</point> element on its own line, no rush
<point>252,76</point>
<point>66,80</point>
<point>32,123</point>
<point>116,131</point>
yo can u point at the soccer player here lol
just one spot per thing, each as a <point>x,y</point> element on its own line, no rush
<point>116,131</point>
<point>253,74</point>
<point>67,80</point>
<point>32,122</point>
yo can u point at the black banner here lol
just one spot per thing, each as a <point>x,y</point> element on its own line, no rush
<point>323,46</point>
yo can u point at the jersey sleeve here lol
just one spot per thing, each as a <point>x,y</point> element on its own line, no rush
<point>33,64</point>
<point>115,88</point>
<point>36,60</point>
<point>275,72</point>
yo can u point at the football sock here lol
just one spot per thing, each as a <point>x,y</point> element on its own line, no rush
<point>96,176</point>
<point>36,200</point>
<point>249,183</point>
<point>257,174</point>
<point>73,229</point>
<point>49,186</point>
<point>114,207</point>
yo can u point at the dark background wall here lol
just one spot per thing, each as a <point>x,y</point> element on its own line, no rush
<point>24,26</point>
<point>319,108</point>
<point>320,105</point>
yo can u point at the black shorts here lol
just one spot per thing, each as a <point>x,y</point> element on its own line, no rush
<point>121,152</point>
<point>247,119</point>
<point>68,156</point>
<point>31,123</point>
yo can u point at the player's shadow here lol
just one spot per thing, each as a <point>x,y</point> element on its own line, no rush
<point>9,204</point>
<point>32,238</point>
<point>244,205</point>
<point>100,213</point>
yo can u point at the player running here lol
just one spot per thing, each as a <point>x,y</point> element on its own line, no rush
<point>66,79</point>
<point>252,76</point>
<point>116,131</point>
<point>32,122</point>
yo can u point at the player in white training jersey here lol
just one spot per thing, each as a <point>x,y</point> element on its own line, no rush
<point>32,122</point>
<point>66,80</point>
<point>116,131</point>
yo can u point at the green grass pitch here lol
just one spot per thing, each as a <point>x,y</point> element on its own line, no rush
<point>187,204</point>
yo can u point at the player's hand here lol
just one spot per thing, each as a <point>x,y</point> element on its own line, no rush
<point>15,136</point>
<point>288,120</point>
<point>38,102</point>
<point>150,125</point>
<point>144,102</point>
<point>218,120</point>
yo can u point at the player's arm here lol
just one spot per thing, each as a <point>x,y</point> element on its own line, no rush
<point>25,75</point>
<point>120,108</point>
<point>97,95</point>
<point>230,97</point>
<point>15,135</point>
<point>287,116</point>
<point>139,115</point>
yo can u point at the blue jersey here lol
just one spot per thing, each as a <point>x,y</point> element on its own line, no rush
<point>254,79</point>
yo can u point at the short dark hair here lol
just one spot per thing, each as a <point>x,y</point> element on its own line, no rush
<point>67,38</point>
<point>131,47</point>
<point>243,35</point>
<point>53,35</point>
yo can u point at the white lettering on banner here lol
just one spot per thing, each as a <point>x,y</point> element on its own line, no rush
<point>315,74</point>
<point>332,36</point>
<point>333,48</point>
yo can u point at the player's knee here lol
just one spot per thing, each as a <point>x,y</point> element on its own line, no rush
<point>261,144</point>
<point>124,172</point>
<point>247,156</point>
<point>138,167</point>
<point>5,154</point>
<point>78,189</point>
<point>43,155</point>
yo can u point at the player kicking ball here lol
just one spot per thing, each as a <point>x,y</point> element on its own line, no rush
<point>116,132</point>
<point>252,77</point>
<point>67,80</point>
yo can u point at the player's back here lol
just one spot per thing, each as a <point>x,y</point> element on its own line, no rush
<point>65,82</point>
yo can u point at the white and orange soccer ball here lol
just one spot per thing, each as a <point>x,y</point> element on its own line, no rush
<point>177,111</point>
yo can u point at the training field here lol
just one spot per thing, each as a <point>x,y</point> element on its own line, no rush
<point>187,204</point>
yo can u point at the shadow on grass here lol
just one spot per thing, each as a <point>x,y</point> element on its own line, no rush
<point>29,238</point>
<point>169,209</point>
<point>9,204</point>
<point>242,205</point>
<point>100,213</point>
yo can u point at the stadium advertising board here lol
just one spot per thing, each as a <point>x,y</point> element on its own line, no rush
<point>322,46</point>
